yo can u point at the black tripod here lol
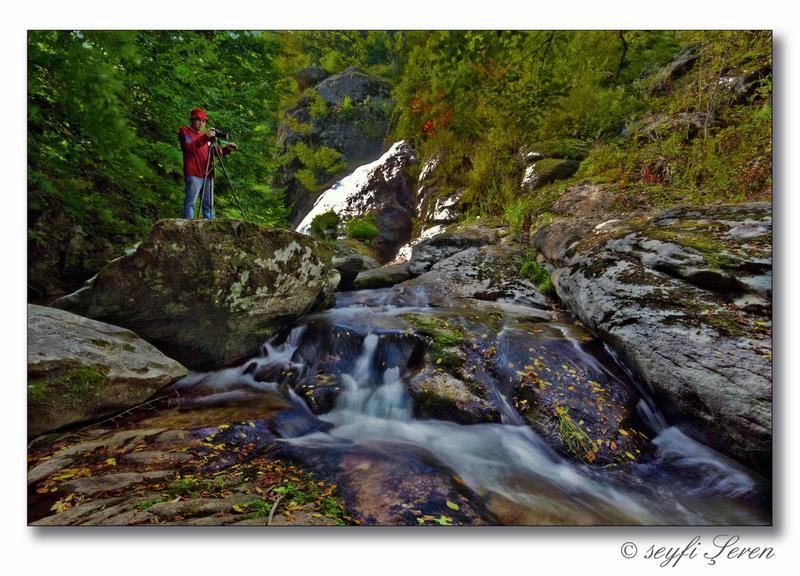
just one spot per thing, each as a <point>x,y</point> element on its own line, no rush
<point>208,176</point>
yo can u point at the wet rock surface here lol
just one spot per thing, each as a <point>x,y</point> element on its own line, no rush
<point>209,466</point>
<point>685,296</point>
<point>488,273</point>
<point>462,397</point>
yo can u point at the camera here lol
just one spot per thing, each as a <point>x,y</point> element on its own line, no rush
<point>221,134</point>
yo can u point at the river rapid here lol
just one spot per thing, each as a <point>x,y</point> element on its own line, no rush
<point>395,462</point>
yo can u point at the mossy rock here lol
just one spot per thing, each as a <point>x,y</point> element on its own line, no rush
<point>209,293</point>
<point>80,369</point>
<point>547,171</point>
<point>684,295</point>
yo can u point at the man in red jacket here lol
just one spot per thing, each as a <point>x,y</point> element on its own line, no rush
<point>196,145</point>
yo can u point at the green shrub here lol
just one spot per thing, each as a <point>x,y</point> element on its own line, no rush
<point>531,269</point>
<point>324,222</point>
<point>518,213</point>
<point>319,164</point>
<point>319,108</point>
<point>362,227</point>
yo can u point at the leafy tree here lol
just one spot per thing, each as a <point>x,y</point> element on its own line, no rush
<point>104,108</point>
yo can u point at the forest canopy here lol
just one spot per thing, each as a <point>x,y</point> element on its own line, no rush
<point>104,109</point>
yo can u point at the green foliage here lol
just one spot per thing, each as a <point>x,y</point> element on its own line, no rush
<point>324,222</point>
<point>362,227</point>
<point>104,108</point>
<point>572,435</point>
<point>442,339</point>
<point>319,108</point>
<point>530,268</point>
<point>517,213</point>
<point>319,164</point>
<point>485,95</point>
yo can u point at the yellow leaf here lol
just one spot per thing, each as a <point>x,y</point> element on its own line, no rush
<point>444,520</point>
<point>111,462</point>
<point>237,508</point>
<point>452,505</point>
<point>63,504</point>
<point>629,455</point>
<point>621,431</point>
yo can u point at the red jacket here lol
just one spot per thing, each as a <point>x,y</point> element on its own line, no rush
<point>194,146</point>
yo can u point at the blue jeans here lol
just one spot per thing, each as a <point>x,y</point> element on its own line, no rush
<point>192,189</point>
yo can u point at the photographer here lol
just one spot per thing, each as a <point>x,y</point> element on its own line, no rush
<point>195,145</point>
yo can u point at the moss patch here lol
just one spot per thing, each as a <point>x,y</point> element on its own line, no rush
<point>443,340</point>
<point>68,385</point>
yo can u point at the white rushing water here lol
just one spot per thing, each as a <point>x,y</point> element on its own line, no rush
<point>513,462</point>
<point>508,465</point>
<point>350,196</point>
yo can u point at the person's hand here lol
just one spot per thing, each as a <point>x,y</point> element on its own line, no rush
<point>212,133</point>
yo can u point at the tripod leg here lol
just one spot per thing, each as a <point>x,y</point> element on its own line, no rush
<point>208,183</point>
<point>230,184</point>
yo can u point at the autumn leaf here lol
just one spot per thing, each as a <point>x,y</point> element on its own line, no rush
<point>452,505</point>
<point>444,521</point>
<point>63,504</point>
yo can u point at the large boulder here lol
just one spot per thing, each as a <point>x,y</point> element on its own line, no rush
<point>209,293</point>
<point>447,243</point>
<point>547,171</point>
<point>685,297</point>
<point>80,369</point>
<point>581,209</point>
<point>490,273</point>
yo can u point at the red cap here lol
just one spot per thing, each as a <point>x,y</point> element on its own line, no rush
<point>198,113</point>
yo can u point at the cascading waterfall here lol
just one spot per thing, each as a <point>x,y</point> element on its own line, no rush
<point>683,483</point>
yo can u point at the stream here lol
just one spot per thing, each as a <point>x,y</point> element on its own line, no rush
<point>397,462</point>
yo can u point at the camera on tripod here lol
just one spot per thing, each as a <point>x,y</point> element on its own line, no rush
<point>221,134</point>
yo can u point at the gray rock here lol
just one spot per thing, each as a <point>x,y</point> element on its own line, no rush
<point>93,485</point>
<point>209,293</point>
<point>311,76</point>
<point>547,171</point>
<point>664,293</point>
<point>439,394</point>
<point>442,246</point>
<point>350,266</point>
<point>382,189</point>
<point>487,273</point>
<point>353,82</point>
<point>357,135</point>
<point>382,277</point>
<point>80,369</point>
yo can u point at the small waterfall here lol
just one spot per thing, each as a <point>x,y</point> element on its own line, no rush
<point>368,392</point>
